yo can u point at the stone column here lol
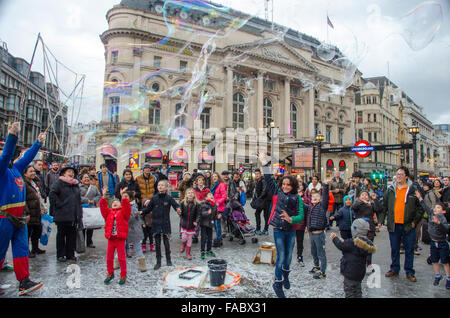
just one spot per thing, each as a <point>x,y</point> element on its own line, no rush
<point>286,124</point>
<point>309,109</point>
<point>228,109</point>
<point>260,101</point>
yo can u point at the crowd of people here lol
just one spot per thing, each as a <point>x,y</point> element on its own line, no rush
<point>137,210</point>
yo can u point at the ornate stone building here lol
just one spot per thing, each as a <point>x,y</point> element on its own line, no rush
<point>252,80</point>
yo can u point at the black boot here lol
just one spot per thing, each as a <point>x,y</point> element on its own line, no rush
<point>158,264</point>
<point>169,261</point>
<point>278,288</point>
<point>286,283</point>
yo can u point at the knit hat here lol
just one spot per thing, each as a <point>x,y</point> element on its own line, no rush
<point>360,227</point>
<point>347,197</point>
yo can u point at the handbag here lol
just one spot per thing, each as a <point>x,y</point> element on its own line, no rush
<point>92,218</point>
<point>243,198</point>
<point>46,221</point>
<point>81,243</point>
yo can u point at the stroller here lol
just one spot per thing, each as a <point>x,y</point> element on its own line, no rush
<point>238,224</point>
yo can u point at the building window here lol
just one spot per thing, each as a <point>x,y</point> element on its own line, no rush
<point>114,103</point>
<point>268,118</point>
<point>155,87</point>
<point>328,116</point>
<point>205,118</point>
<point>2,102</point>
<point>295,90</point>
<point>154,113</point>
<point>10,102</point>
<point>370,137</point>
<point>114,57</point>
<point>2,78</point>
<point>157,61</point>
<point>180,120</point>
<point>422,154</point>
<point>360,117</point>
<point>30,112</point>
<point>428,153</point>
<point>269,84</point>
<point>238,111</point>
<point>316,94</point>
<point>341,136</point>
<point>183,66</point>
<point>360,134</point>
<point>374,118</point>
<point>294,120</point>
<point>368,118</point>
<point>328,134</point>
<point>375,136</point>
<point>342,100</point>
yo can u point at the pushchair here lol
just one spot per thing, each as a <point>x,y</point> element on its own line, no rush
<point>238,224</point>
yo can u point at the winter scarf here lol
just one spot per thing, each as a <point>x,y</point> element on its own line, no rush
<point>214,187</point>
<point>69,181</point>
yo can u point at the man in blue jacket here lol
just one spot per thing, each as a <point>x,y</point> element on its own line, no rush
<point>107,180</point>
<point>12,204</point>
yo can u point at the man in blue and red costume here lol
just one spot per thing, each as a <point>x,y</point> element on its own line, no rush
<point>12,205</point>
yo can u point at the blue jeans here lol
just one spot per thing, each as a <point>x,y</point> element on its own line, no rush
<point>318,250</point>
<point>284,243</point>
<point>218,226</point>
<point>409,240</point>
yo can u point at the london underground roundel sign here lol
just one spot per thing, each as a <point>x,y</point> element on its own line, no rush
<point>362,149</point>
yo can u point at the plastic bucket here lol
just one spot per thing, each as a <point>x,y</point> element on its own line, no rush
<point>217,271</point>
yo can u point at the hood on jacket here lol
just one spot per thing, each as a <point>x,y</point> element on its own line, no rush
<point>347,197</point>
<point>364,245</point>
<point>359,228</point>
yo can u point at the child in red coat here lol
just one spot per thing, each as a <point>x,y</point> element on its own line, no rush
<point>116,232</point>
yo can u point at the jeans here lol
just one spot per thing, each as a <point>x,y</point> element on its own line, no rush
<point>206,238</point>
<point>408,239</point>
<point>318,250</point>
<point>284,243</point>
<point>218,226</point>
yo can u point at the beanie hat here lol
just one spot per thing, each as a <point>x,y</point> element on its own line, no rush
<point>347,197</point>
<point>360,227</point>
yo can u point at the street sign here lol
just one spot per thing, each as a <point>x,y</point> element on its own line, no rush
<point>362,149</point>
<point>375,148</point>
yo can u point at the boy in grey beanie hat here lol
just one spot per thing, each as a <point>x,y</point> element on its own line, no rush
<point>355,252</point>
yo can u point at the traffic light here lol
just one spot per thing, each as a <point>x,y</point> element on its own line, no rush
<point>374,175</point>
<point>165,161</point>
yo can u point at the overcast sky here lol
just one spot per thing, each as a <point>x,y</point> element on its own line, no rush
<point>71,30</point>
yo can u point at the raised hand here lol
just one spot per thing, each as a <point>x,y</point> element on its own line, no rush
<point>418,195</point>
<point>286,217</point>
<point>123,190</point>
<point>41,138</point>
<point>14,129</point>
<point>333,235</point>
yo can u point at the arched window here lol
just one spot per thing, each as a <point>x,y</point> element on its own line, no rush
<point>268,112</point>
<point>294,121</point>
<point>238,110</point>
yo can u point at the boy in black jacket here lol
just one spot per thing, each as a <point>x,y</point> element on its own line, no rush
<point>206,217</point>
<point>316,222</point>
<point>160,205</point>
<point>355,251</point>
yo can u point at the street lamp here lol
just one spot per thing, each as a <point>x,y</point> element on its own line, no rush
<point>272,127</point>
<point>319,139</point>
<point>414,131</point>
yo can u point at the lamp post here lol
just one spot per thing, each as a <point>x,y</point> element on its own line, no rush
<point>414,131</point>
<point>272,127</point>
<point>319,139</point>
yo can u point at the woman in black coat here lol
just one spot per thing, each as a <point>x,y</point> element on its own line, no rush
<point>65,202</point>
<point>129,183</point>
<point>33,210</point>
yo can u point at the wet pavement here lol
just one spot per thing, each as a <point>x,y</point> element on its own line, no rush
<point>256,279</point>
